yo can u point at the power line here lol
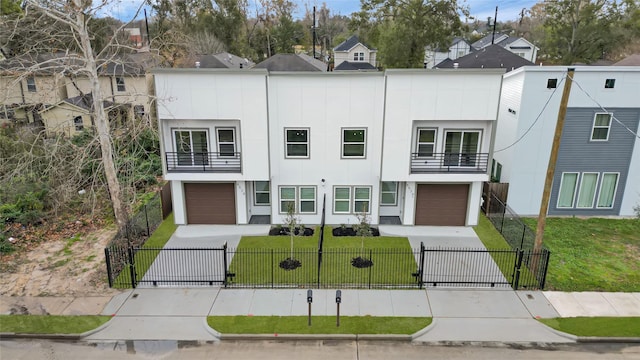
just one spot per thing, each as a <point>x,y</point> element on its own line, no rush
<point>537,118</point>
<point>605,110</point>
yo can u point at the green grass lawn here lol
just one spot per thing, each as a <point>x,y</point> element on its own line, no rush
<point>592,254</point>
<point>256,261</point>
<point>143,260</point>
<point>597,326</point>
<point>319,324</point>
<point>50,324</point>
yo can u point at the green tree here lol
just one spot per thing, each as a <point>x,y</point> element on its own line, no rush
<point>9,7</point>
<point>403,28</point>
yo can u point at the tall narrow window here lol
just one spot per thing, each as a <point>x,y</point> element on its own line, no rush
<point>354,143</point>
<point>120,83</point>
<point>461,148</point>
<point>297,143</point>
<point>567,193</point>
<point>426,142</point>
<point>601,125</point>
<point>31,84</point>
<point>262,195</point>
<point>607,190</point>
<point>342,200</point>
<point>307,199</point>
<point>388,193</point>
<point>287,199</point>
<point>587,192</point>
<point>362,199</point>
<point>78,123</point>
<point>191,147</point>
<point>226,142</point>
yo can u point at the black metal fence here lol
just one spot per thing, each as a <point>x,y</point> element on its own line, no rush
<point>391,268</point>
<point>509,224</point>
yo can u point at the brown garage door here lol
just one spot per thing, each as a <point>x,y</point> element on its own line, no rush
<point>442,204</point>
<point>210,203</point>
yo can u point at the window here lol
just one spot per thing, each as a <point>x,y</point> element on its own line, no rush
<point>287,199</point>
<point>389,193</point>
<point>348,199</point>
<point>567,194</point>
<point>78,123</point>
<point>587,192</point>
<point>31,84</point>
<point>297,143</point>
<point>354,143</point>
<point>192,147</point>
<point>261,193</point>
<point>120,84</point>
<point>552,83</point>
<point>609,83</point>
<point>307,197</point>
<point>461,148</point>
<point>426,142</point>
<point>607,190</point>
<point>302,199</point>
<point>521,54</point>
<point>342,200</point>
<point>138,111</point>
<point>601,125</point>
<point>359,56</point>
<point>226,142</point>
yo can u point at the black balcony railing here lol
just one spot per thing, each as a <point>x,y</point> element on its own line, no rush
<point>225,162</point>
<point>449,162</point>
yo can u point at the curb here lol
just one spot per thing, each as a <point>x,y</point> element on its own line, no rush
<point>600,339</point>
<point>70,337</point>
<point>99,328</point>
<point>421,332</point>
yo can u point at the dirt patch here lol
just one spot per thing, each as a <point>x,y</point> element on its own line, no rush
<point>62,266</point>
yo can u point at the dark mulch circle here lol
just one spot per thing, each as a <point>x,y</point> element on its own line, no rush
<point>361,262</point>
<point>349,231</point>
<point>290,264</point>
<point>283,230</point>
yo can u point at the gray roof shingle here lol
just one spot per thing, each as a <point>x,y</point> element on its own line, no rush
<point>491,57</point>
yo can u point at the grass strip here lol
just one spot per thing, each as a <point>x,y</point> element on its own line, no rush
<point>319,324</point>
<point>50,324</point>
<point>597,326</point>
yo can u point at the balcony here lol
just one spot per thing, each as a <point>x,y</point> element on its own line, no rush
<point>449,163</point>
<point>216,162</point>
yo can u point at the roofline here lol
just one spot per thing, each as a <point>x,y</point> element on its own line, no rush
<point>578,69</point>
<point>255,71</point>
<point>459,70</point>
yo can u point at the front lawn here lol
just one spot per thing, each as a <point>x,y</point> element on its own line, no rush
<point>50,324</point>
<point>592,254</point>
<point>597,326</point>
<point>256,261</point>
<point>319,324</point>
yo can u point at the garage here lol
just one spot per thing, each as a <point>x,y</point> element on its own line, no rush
<point>210,203</point>
<point>442,204</point>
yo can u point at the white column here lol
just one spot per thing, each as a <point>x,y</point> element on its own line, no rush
<point>177,200</point>
<point>241,202</point>
<point>475,197</point>
<point>409,203</point>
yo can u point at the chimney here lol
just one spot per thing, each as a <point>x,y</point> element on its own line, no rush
<point>198,64</point>
<point>456,65</point>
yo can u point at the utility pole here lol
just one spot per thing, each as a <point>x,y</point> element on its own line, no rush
<point>146,22</point>
<point>495,21</point>
<point>314,32</point>
<point>551,168</point>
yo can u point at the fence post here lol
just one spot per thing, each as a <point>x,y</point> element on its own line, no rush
<point>421,265</point>
<point>504,210</point>
<point>545,269</point>
<point>132,267</point>
<point>146,217</point>
<point>272,268</point>
<point>516,280</point>
<point>107,255</point>
<point>224,261</point>
<point>370,251</point>
<point>524,231</point>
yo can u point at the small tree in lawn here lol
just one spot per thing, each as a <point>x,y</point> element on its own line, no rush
<point>363,229</point>
<point>292,221</point>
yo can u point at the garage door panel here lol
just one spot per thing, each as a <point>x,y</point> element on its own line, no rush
<point>210,203</point>
<point>442,204</point>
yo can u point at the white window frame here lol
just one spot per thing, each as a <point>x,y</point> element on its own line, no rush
<point>608,127</point>
<point>575,190</point>
<point>287,143</point>
<point>120,85</point>
<point>615,190</point>
<point>234,142</point>
<point>256,192</point>
<point>418,143</point>
<point>352,198</point>
<point>31,84</point>
<point>297,199</point>
<point>301,200</point>
<point>280,199</point>
<point>78,126</point>
<point>343,143</point>
<point>192,153</point>
<point>593,197</point>
<point>395,193</point>
<point>348,200</point>
<point>358,56</point>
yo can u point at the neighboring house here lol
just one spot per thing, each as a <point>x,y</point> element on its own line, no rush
<point>355,66</point>
<point>221,60</point>
<point>134,36</point>
<point>291,62</point>
<point>71,116</point>
<point>598,164</point>
<point>354,51</point>
<point>403,146</point>
<point>490,57</point>
<point>631,60</point>
<point>517,45</point>
<point>459,48</point>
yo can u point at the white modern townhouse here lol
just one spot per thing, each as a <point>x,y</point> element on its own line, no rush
<point>403,146</point>
<point>598,167</point>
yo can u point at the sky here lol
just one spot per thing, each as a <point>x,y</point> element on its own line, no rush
<point>480,9</point>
